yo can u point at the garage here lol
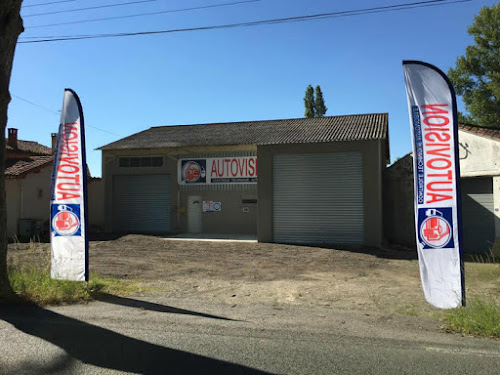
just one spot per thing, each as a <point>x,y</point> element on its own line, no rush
<point>300,180</point>
<point>478,214</point>
<point>318,198</point>
<point>141,203</point>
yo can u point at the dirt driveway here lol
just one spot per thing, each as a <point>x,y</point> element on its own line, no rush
<point>242,273</point>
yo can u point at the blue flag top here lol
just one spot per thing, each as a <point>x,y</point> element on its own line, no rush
<point>433,118</point>
<point>68,203</point>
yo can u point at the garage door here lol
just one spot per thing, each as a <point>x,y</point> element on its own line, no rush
<point>141,204</point>
<point>318,198</point>
<point>477,213</point>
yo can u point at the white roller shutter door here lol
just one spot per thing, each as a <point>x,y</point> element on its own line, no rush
<point>318,198</point>
<point>141,204</point>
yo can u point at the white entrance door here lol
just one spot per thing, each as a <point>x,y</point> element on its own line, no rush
<point>195,206</point>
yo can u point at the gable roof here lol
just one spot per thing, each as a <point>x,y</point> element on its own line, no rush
<point>287,131</point>
<point>492,133</point>
<point>17,168</point>
<point>30,147</point>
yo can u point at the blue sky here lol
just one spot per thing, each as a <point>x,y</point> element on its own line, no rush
<point>129,84</point>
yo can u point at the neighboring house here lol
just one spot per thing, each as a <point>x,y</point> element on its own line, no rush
<point>319,179</point>
<point>479,153</point>
<point>28,178</point>
<point>27,173</point>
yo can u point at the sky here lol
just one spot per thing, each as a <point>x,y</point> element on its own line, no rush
<point>129,84</point>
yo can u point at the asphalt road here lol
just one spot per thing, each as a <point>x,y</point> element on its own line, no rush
<point>125,335</point>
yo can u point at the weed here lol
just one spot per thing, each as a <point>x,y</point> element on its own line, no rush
<point>480,318</point>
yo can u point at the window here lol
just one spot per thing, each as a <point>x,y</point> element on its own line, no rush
<point>147,161</point>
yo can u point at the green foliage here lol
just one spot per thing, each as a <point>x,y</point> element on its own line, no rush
<point>319,103</point>
<point>476,76</point>
<point>35,285</point>
<point>466,119</point>
<point>30,279</point>
<point>314,104</point>
<point>478,318</point>
<point>309,102</point>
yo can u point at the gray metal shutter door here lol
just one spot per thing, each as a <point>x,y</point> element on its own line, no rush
<point>318,198</point>
<point>141,204</point>
<point>477,214</point>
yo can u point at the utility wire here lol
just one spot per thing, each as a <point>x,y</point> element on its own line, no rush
<point>44,4</point>
<point>90,8</point>
<point>382,9</point>
<point>36,105</point>
<point>58,113</point>
<point>147,14</point>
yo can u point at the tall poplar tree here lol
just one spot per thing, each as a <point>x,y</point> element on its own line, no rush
<point>11,25</point>
<point>309,102</point>
<point>319,103</point>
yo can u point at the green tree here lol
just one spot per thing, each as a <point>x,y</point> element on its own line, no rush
<point>11,25</point>
<point>476,77</point>
<point>309,102</point>
<point>319,103</point>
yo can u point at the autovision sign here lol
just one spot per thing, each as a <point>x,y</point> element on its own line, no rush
<point>223,170</point>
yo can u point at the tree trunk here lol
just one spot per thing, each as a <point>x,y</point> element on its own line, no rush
<point>11,25</point>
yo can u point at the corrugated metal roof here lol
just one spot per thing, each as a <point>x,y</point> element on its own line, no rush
<point>289,131</point>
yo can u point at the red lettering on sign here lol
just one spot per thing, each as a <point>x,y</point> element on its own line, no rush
<point>439,137</point>
<point>251,167</point>
<point>438,151</point>
<point>434,109</point>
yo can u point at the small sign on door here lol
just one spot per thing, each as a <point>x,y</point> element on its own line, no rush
<point>211,206</point>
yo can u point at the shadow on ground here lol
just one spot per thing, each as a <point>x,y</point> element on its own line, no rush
<point>107,349</point>
<point>129,302</point>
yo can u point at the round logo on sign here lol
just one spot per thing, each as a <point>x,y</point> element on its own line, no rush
<point>435,231</point>
<point>191,171</point>
<point>65,223</point>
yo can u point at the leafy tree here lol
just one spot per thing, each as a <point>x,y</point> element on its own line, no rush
<point>11,25</point>
<point>476,76</point>
<point>309,102</point>
<point>319,103</point>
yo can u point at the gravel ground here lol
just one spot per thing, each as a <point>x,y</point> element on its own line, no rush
<point>386,281</point>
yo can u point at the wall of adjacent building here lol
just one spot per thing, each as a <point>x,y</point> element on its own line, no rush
<point>29,198</point>
<point>479,157</point>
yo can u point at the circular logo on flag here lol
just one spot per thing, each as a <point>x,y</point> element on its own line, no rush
<point>191,171</point>
<point>65,223</point>
<point>435,231</point>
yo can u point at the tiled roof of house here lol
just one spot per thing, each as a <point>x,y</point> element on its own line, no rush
<point>16,168</point>
<point>290,131</point>
<point>491,133</point>
<point>30,147</point>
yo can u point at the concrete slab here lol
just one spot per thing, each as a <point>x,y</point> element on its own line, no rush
<point>212,237</point>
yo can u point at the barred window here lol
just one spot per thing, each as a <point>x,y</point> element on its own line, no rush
<point>146,161</point>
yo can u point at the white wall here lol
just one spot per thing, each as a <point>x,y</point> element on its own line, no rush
<point>29,198</point>
<point>12,193</point>
<point>479,156</point>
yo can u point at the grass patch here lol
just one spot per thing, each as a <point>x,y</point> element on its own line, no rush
<point>30,279</point>
<point>479,318</point>
<point>35,285</point>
